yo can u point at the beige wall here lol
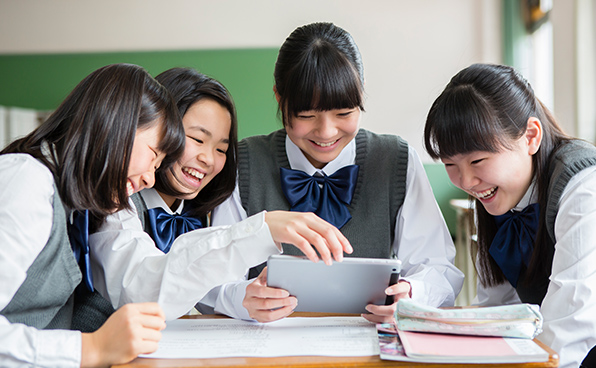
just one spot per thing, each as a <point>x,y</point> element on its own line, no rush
<point>410,48</point>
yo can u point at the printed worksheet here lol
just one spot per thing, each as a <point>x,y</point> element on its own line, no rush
<point>297,336</point>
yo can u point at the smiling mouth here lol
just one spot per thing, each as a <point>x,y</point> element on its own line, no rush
<point>329,144</point>
<point>129,188</point>
<point>194,173</point>
<point>487,194</point>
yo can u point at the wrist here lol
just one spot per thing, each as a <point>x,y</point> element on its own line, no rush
<point>90,354</point>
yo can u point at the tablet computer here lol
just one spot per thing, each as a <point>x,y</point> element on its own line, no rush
<point>343,287</point>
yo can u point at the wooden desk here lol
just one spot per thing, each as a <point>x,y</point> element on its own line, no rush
<point>317,361</point>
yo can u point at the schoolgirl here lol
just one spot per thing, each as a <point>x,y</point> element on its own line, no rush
<point>102,143</point>
<point>535,196</point>
<point>372,187</point>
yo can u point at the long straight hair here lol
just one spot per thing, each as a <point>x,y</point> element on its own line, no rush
<point>318,67</point>
<point>91,135</point>
<point>486,108</point>
<point>187,87</point>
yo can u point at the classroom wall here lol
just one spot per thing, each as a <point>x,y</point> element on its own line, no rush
<point>410,50</point>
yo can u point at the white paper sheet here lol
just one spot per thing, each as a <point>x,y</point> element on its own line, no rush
<point>224,338</point>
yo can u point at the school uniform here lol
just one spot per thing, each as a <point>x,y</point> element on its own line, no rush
<point>568,298</point>
<point>37,268</point>
<point>128,267</point>
<point>412,229</point>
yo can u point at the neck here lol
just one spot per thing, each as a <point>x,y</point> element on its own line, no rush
<point>171,201</point>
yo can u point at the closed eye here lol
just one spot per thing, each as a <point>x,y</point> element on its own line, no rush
<point>197,140</point>
<point>477,161</point>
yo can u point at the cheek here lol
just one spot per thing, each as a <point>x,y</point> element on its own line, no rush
<point>454,177</point>
<point>190,151</point>
<point>352,126</point>
<point>138,165</point>
<point>220,162</point>
<point>298,130</point>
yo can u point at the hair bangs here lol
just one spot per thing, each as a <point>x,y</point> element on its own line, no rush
<point>325,80</point>
<point>460,122</point>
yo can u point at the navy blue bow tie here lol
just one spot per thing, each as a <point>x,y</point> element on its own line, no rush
<point>78,234</point>
<point>514,241</point>
<point>165,228</point>
<point>327,196</point>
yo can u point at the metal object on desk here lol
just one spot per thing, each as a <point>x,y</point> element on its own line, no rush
<point>464,236</point>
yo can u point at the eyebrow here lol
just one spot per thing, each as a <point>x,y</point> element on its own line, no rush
<point>207,132</point>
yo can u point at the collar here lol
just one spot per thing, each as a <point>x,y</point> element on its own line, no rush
<point>531,196</point>
<point>153,200</point>
<point>298,161</point>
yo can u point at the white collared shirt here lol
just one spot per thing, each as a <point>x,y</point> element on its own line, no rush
<point>569,307</point>
<point>422,240</point>
<point>27,183</point>
<point>154,200</point>
<point>128,267</point>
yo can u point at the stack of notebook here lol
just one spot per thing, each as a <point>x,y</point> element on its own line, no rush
<point>469,335</point>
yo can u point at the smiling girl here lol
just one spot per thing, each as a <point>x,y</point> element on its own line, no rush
<point>372,187</point>
<point>102,143</point>
<point>535,194</point>
<point>150,253</point>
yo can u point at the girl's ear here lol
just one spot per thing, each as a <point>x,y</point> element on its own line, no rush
<point>533,135</point>
<point>277,96</point>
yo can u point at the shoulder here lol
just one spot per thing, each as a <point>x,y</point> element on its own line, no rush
<point>260,139</point>
<point>262,146</point>
<point>380,142</point>
<point>23,172</point>
<point>583,182</point>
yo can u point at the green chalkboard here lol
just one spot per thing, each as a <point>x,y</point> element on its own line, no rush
<point>42,81</point>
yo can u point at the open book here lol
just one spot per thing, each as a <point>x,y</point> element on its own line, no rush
<point>448,348</point>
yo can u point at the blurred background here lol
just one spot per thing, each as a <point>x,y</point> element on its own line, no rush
<point>410,51</point>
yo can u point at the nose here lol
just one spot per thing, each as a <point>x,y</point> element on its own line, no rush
<point>147,179</point>
<point>326,127</point>
<point>467,179</point>
<point>206,157</point>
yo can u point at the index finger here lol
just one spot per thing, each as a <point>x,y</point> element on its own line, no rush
<point>151,309</point>
<point>335,240</point>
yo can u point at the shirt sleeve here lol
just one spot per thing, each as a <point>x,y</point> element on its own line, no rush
<point>26,195</point>
<point>495,295</point>
<point>569,307</point>
<point>127,267</point>
<point>423,243</point>
<point>227,298</point>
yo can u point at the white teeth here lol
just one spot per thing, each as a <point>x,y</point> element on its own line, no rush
<point>193,172</point>
<point>486,194</point>
<point>325,144</point>
<point>129,188</point>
